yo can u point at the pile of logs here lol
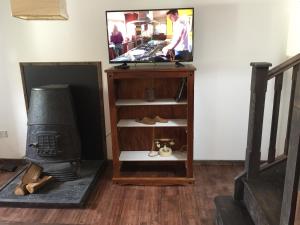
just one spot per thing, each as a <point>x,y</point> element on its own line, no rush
<point>32,180</point>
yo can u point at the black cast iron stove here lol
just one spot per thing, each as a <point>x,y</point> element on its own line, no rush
<point>52,135</point>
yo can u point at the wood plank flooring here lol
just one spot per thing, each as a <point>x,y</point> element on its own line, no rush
<point>111,204</point>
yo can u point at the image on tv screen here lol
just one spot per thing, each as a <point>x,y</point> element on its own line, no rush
<point>150,35</point>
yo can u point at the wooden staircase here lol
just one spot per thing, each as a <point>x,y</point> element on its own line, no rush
<point>266,192</point>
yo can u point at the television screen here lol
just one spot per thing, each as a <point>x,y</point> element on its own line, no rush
<point>160,35</point>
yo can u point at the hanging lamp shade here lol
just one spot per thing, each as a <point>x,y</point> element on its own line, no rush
<point>39,9</point>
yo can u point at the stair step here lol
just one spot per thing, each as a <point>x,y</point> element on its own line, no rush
<point>230,212</point>
<point>263,195</point>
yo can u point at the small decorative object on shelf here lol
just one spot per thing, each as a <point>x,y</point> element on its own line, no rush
<point>159,119</point>
<point>149,129</point>
<point>165,151</point>
<point>146,120</point>
<point>180,91</point>
<point>163,146</point>
<point>153,153</point>
<point>152,121</point>
<point>149,95</point>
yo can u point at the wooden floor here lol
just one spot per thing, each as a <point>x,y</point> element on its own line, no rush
<point>111,204</point>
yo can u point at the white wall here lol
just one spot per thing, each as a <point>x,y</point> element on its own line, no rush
<point>293,48</point>
<point>14,43</point>
<point>229,34</point>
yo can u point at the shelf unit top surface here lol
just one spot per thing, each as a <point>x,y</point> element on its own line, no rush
<point>153,68</point>
<point>143,156</point>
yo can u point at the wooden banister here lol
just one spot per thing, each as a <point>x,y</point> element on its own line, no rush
<point>284,66</point>
<point>292,96</point>
<point>275,116</point>
<point>290,192</point>
<point>253,167</point>
<point>256,114</point>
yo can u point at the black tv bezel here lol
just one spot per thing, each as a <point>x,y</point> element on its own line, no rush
<point>131,10</point>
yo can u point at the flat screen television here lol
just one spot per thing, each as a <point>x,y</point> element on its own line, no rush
<point>154,35</point>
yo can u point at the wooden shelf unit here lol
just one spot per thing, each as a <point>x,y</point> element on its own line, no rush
<point>131,139</point>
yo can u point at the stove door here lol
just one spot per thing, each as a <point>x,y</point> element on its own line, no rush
<point>52,143</point>
<point>46,143</point>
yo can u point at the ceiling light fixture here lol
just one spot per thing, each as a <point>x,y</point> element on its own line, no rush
<point>39,9</point>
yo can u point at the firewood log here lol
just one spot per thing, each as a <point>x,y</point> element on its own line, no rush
<point>33,187</point>
<point>31,175</point>
<point>21,189</point>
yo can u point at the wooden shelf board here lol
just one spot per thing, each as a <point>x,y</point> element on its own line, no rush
<point>143,156</point>
<point>171,123</point>
<point>137,102</point>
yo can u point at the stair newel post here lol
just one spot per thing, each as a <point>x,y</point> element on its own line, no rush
<point>259,80</point>
<point>288,207</point>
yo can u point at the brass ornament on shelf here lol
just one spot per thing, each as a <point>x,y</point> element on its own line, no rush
<point>165,151</point>
<point>162,147</point>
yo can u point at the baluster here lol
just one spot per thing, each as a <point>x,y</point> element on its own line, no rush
<point>289,201</point>
<point>259,81</point>
<point>288,129</point>
<point>275,116</point>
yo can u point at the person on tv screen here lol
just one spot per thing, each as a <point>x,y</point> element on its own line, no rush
<point>117,39</point>
<point>180,40</point>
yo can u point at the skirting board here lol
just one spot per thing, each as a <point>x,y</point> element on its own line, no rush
<point>212,162</point>
<point>219,162</point>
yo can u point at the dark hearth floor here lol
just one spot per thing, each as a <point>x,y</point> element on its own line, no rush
<point>55,194</point>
